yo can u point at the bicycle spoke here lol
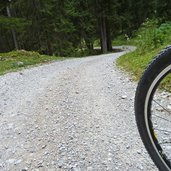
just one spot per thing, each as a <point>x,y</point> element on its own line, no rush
<point>162,107</point>
<point>166,142</point>
<point>162,130</point>
<point>162,118</point>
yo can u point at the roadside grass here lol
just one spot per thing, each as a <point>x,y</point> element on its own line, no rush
<point>136,62</point>
<point>17,60</point>
<point>150,39</point>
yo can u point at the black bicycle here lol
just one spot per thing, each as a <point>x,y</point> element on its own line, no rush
<point>153,109</point>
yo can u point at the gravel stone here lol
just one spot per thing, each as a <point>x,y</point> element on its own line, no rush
<point>140,167</point>
<point>70,115</point>
<point>124,97</point>
<point>139,151</point>
<point>169,107</point>
<point>11,161</point>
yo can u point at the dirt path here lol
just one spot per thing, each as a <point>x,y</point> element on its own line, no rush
<point>71,115</point>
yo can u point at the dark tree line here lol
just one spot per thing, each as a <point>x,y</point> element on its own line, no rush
<point>66,27</point>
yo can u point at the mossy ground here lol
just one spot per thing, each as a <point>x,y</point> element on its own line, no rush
<point>16,60</point>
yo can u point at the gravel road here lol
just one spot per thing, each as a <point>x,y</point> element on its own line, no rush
<point>73,115</point>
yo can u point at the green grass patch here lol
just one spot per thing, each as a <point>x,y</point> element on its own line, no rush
<point>150,39</point>
<point>15,60</point>
<point>136,62</point>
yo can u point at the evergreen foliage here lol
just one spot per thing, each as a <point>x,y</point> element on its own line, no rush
<point>150,39</point>
<point>71,27</point>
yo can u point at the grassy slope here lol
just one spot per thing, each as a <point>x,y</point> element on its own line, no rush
<point>150,39</point>
<point>16,60</point>
<point>136,62</point>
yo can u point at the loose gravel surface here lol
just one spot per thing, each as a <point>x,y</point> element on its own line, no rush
<point>71,115</point>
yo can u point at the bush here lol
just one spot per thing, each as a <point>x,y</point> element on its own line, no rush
<point>150,39</point>
<point>152,35</point>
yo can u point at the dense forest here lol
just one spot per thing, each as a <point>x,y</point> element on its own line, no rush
<point>72,27</point>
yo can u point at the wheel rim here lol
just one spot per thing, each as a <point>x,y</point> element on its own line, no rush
<point>158,116</point>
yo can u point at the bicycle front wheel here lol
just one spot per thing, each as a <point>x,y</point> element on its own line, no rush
<point>153,109</point>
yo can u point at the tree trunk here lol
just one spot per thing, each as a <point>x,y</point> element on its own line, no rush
<point>89,45</point>
<point>103,34</point>
<point>49,46</point>
<point>104,26</point>
<point>109,42</point>
<point>12,30</point>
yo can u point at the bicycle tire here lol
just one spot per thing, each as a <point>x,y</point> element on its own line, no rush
<point>145,89</point>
